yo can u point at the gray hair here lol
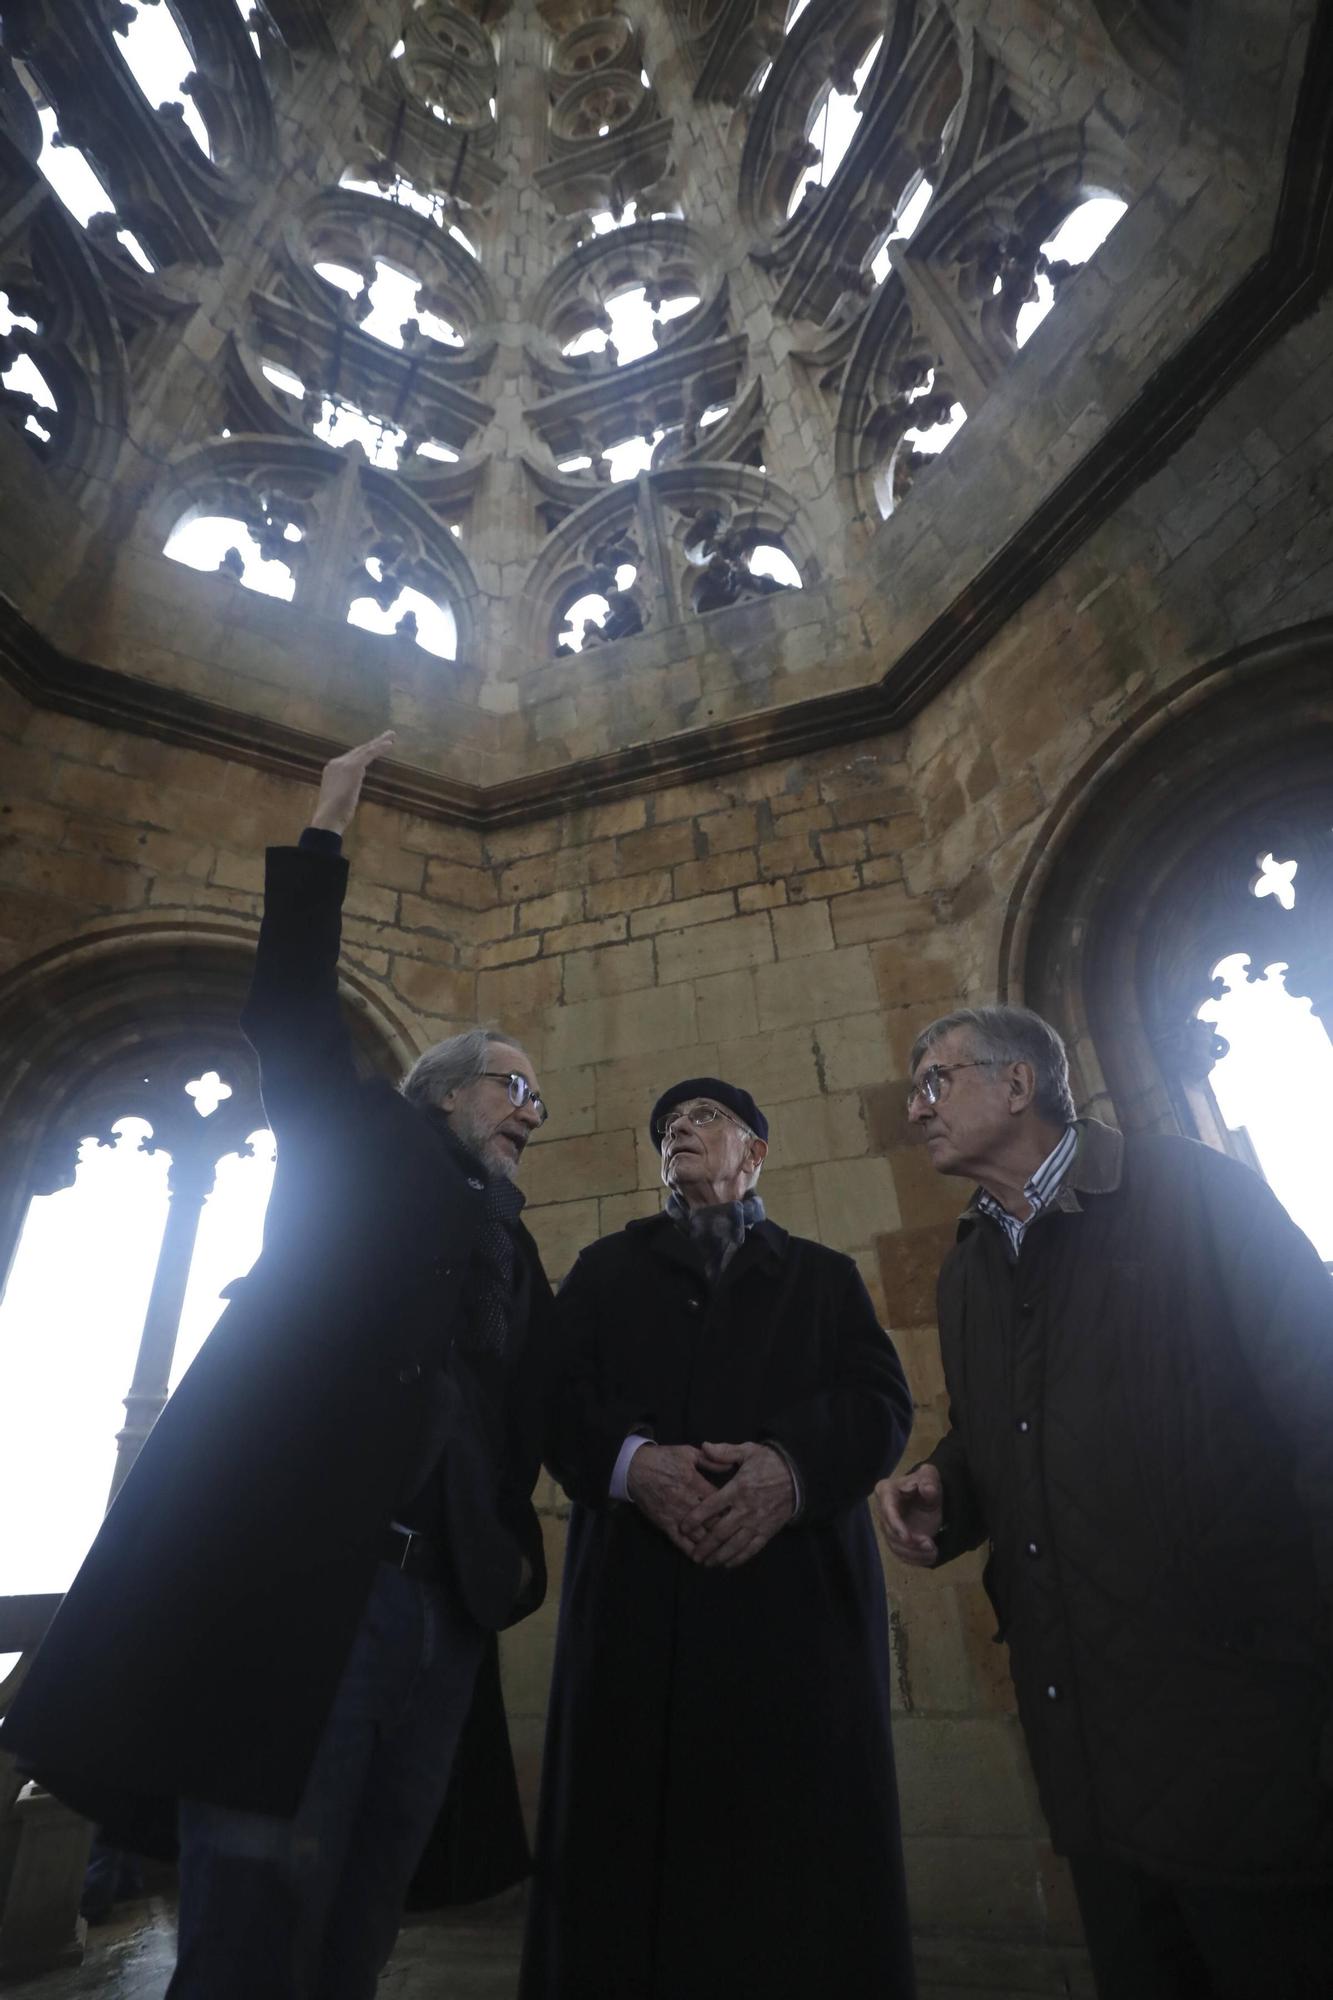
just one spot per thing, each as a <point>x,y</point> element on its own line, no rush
<point>450,1064</point>
<point>1006,1035</point>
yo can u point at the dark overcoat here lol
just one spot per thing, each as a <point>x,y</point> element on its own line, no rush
<point>719,1814</point>
<point>1142,1428</point>
<point>198,1650</point>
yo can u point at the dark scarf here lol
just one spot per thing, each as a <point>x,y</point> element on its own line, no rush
<point>717,1232</point>
<point>488,1319</point>
<point>488,1325</point>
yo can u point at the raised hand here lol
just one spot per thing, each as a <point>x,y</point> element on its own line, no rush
<point>739,1519</point>
<point>340,786</point>
<point>665,1483</point>
<point>911,1508</point>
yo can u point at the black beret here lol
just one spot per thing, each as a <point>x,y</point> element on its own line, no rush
<point>739,1102</point>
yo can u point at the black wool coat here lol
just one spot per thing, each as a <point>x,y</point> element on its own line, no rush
<point>199,1648</point>
<point>1142,1429</point>
<point>719,1813</point>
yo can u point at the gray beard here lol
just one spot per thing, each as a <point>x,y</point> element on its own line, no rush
<point>492,1157</point>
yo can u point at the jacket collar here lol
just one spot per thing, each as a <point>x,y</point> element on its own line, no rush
<point>1097,1168</point>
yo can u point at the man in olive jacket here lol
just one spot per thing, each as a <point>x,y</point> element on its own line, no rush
<point>1138,1350</point>
<point>288,1619</point>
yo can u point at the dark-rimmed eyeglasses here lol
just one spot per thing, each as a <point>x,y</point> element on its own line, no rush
<point>929,1086</point>
<point>699,1115</point>
<point>521,1091</point>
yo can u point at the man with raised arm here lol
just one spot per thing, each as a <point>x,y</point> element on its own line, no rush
<point>1138,1350</point>
<point>282,1642</point>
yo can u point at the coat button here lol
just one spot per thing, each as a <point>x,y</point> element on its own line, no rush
<point>1052,1692</point>
<point>1023,1426</point>
<point>1033,1550</point>
<point>473,1183</point>
<point>692,1305</point>
<point>1028,1306</point>
<point>410,1373</point>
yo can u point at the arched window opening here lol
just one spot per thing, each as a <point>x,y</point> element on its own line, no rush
<point>223,544</point>
<point>601,221</point>
<point>906,218</point>
<point>69,173</point>
<point>28,394</point>
<point>114,1288</point>
<point>343,423</point>
<point>634,318</point>
<point>1078,238</point>
<point>833,127</point>
<point>161,62</point>
<point>340,423</point>
<point>1273,1080</point>
<point>596,616</point>
<point>396,189</point>
<point>389,606</point>
<point>387,306</point>
<point>632,455</point>
<point>249,13</point>
<point>938,422</point>
<point>767,559</point>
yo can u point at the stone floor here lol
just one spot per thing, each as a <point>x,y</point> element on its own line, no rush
<point>475,1957</point>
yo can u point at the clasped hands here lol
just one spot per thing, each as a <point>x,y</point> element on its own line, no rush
<point>718,1527</point>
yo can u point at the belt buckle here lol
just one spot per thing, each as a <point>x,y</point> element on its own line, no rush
<point>409,1536</point>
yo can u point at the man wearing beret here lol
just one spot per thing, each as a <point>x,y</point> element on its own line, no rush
<point>719,1813</point>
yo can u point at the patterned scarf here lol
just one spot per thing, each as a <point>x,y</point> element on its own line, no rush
<point>716,1232</point>
<point>488,1324</point>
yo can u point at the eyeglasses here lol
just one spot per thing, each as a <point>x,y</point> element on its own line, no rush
<point>929,1085</point>
<point>520,1091</point>
<point>699,1115</point>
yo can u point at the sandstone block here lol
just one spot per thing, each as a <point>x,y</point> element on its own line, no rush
<point>514,993</point>
<point>629,892</point>
<point>434,989</point>
<point>544,912</point>
<point>726,1006</point>
<point>910,1262</point>
<point>627,1088</point>
<point>888,911</point>
<point>657,847</point>
<point>810,1129</point>
<point>617,968</point>
<point>855,1201</point>
<point>584,937</point>
<point>675,916</point>
<point>561,1229</point>
<point>589,1165</point>
<point>761,896</point>
<point>775,1065</point>
<point>616,1210</point>
<point>450,882</point>
<point>719,871</point>
<point>628,1024</point>
<point>802,929</point>
<point>708,948</point>
<point>815,989</point>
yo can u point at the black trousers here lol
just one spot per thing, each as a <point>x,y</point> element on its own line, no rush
<point>1154,1940</point>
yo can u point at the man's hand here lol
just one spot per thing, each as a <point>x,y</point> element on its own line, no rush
<point>742,1517</point>
<point>911,1507</point>
<point>665,1483</point>
<point>340,786</point>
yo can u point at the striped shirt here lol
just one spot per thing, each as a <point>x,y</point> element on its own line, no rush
<point>1040,1191</point>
